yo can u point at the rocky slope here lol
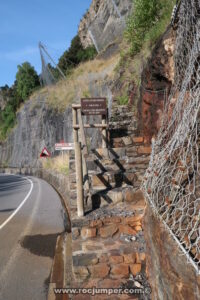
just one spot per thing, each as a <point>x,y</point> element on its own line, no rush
<point>104,22</point>
<point>38,125</point>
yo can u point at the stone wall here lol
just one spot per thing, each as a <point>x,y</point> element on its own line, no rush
<point>108,246</point>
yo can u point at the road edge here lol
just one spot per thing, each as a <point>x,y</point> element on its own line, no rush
<point>57,278</point>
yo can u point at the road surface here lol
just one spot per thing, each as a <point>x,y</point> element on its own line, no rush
<point>31,217</point>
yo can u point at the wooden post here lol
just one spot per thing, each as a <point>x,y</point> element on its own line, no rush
<point>79,171</point>
<point>79,179</point>
<point>84,152</point>
<point>75,131</point>
<point>104,133</point>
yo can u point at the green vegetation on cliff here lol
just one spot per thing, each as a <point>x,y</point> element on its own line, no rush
<point>147,22</point>
<point>75,55</point>
<point>27,81</point>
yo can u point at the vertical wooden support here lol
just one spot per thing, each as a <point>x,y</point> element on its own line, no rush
<point>84,152</point>
<point>79,180</point>
<point>79,170</point>
<point>83,138</point>
<point>75,132</point>
<point>104,133</point>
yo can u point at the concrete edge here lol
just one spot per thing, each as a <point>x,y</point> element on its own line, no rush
<point>57,278</point>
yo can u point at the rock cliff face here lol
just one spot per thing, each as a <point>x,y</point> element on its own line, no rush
<point>39,126</point>
<point>104,22</point>
<point>157,79</point>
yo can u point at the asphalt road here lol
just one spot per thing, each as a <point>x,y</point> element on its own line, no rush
<point>31,217</point>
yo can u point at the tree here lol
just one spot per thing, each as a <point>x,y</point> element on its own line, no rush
<point>26,80</point>
<point>75,55</point>
<point>144,16</point>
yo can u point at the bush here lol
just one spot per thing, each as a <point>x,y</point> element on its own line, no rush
<point>123,100</point>
<point>26,80</point>
<point>75,55</point>
<point>7,121</point>
<point>146,18</point>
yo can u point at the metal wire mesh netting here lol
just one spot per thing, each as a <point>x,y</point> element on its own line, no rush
<point>50,70</point>
<point>172,181</point>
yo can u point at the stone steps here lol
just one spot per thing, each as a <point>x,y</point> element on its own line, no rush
<point>124,165</point>
<point>128,140</point>
<point>110,179</point>
<point>112,196</point>
<point>109,153</point>
<point>104,197</point>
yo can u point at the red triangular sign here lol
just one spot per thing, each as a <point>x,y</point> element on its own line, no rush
<point>45,153</point>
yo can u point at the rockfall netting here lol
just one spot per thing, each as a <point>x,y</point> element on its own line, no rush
<point>109,24</point>
<point>172,181</point>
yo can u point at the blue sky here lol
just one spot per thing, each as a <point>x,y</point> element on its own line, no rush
<point>23,23</point>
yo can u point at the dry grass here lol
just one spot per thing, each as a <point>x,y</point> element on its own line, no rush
<point>59,164</point>
<point>78,83</point>
<point>131,69</point>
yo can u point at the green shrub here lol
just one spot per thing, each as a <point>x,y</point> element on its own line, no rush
<point>147,21</point>
<point>26,80</point>
<point>123,100</point>
<point>7,121</point>
<point>87,54</point>
<point>75,55</point>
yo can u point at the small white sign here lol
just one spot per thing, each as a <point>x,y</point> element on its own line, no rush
<point>64,146</point>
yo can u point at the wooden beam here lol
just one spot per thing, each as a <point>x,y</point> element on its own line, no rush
<point>76,106</point>
<point>86,181</point>
<point>75,133</point>
<point>79,180</point>
<point>91,126</point>
<point>104,133</point>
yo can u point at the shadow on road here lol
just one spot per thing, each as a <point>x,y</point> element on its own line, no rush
<point>11,184</point>
<point>41,245</point>
<point>6,210</point>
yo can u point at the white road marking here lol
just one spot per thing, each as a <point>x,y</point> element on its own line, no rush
<point>20,206</point>
<point>17,250</point>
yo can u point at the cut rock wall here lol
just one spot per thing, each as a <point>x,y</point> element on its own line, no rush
<point>157,79</point>
<point>104,22</point>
